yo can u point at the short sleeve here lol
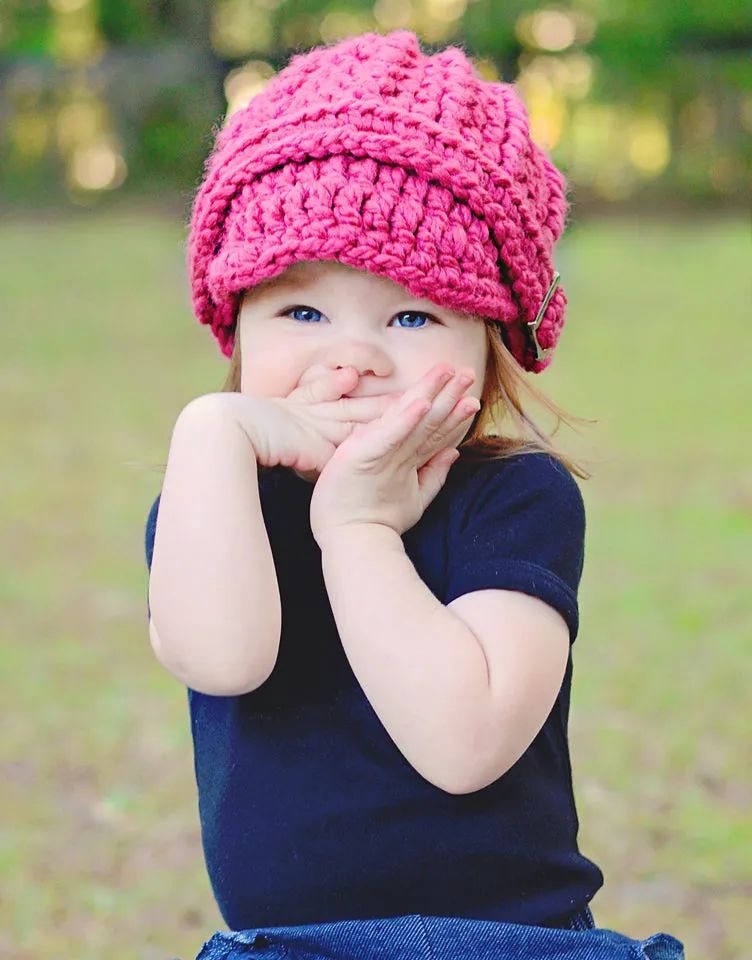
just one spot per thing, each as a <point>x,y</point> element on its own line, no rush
<point>521,527</point>
<point>151,529</point>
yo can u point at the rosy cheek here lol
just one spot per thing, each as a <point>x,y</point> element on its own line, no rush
<point>267,380</point>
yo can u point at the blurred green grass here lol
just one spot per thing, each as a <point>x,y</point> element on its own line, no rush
<point>98,353</point>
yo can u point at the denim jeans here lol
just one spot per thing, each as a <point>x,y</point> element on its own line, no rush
<point>437,938</point>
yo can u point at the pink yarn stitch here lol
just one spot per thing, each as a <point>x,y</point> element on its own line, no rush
<point>380,157</point>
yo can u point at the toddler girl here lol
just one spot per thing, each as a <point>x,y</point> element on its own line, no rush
<point>367,585</point>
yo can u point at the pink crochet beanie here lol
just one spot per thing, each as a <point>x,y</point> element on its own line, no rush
<point>375,155</point>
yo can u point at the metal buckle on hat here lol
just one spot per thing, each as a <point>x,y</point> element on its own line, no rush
<point>540,352</point>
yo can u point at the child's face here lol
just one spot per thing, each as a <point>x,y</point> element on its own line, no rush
<point>317,317</point>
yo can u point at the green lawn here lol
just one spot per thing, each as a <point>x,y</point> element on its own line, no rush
<point>98,353</point>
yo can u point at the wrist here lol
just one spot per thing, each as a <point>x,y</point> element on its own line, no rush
<point>357,537</point>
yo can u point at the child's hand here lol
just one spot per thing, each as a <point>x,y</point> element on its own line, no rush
<point>303,430</point>
<point>389,470</point>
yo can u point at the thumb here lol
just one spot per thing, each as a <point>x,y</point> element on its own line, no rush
<point>432,475</point>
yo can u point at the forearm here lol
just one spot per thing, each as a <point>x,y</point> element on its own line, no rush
<point>421,667</point>
<point>213,590</point>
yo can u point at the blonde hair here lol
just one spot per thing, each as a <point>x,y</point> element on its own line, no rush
<point>503,427</point>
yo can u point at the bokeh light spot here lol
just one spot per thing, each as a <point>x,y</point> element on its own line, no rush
<point>553,30</point>
<point>97,167</point>
<point>393,14</point>
<point>240,27</point>
<point>243,84</point>
<point>649,148</point>
<point>68,6</point>
<point>340,24</point>
<point>445,11</point>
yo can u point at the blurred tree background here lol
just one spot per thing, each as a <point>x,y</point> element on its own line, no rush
<point>635,99</point>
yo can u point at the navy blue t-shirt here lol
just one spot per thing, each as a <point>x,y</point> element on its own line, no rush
<point>310,813</point>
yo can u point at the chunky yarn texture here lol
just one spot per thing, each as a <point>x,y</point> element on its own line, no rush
<point>378,156</point>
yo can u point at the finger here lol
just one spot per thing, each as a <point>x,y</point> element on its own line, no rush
<point>365,409</point>
<point>327,388</point>
<point>419,430</point>
<point>449,410</point>
<point>430,385</point>
<point>373,441</point>
<point>445,401</point>
<point>443,388</point>
<point>432,475</point>
<point>463,410</point>
<point>451,432</point>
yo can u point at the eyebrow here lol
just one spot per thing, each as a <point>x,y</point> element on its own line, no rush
<point>293,278</point>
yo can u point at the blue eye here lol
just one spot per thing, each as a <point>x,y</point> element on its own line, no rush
<point>411,319</point>
<point>305,314</point>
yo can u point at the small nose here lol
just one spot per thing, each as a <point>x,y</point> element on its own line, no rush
<point>367,358</point>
